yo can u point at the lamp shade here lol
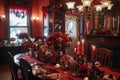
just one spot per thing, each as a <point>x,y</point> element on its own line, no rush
<point>80,8</point>
<point>110,6</point>
<point>70,5</point>
<point>86,3</point>
<point>105,3</point>
<point>98,7</point>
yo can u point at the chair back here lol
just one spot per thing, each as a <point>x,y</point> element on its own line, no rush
<point>13,67</point>
<point>26,45</point>
<point>26,70</point>
<point>103,55</point>
<point>66,78</point>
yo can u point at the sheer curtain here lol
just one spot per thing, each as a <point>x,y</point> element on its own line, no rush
<point>18,21</point>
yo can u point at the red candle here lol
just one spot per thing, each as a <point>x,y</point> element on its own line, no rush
<point>75,51</point>
<point>93,51</point>
<point>78,48</point>
<point>82,46</point>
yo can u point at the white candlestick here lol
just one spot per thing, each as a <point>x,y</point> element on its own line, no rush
<point>86,78</point>
<point>118,23</point>
<point>104,23</point>
<point>82,46</point>
<point>87,24</point>
<point>113,22</point>
<point>108,22</point>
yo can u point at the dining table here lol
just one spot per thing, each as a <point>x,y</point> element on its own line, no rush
<point>57,72</point>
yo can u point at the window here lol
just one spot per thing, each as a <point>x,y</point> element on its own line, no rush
<point>18,22</point>
<point>46,25</point>
<point>17,17</point>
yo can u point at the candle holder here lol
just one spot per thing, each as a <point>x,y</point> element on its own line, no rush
<point>87,27</point>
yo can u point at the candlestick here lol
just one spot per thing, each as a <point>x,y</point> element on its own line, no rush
<point>87,24</point>
<point>78,48</point>
<point>36,46</point>
<point>86,78</point>
<point>113,22</point>
<point>75,51</point>
<point>118,23</point>
<point>108,22</point>
<point>82,46</point>
<point>93,50</point>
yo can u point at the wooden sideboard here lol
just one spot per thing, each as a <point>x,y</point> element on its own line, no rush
<point>104,41</point>
<point>4,52</point>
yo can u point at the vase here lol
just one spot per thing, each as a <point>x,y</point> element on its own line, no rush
<point>66,50</point>
<point>24,40</point>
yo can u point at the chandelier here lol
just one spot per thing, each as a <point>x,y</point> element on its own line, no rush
<point>87,3</point>
<point>88,10</point>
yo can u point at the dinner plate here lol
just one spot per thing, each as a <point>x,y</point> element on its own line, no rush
<point>106,77</point>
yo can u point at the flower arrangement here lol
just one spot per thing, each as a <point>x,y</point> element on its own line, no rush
<point>23,35</point>
<point>59,40</point>
<point>104,32</point>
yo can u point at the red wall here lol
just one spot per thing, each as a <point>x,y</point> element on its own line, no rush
<point>37,27</point>
<point>2,26</point>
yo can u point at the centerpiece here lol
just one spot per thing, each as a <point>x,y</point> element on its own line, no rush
<point>59,41</point>
<point>24,36</point>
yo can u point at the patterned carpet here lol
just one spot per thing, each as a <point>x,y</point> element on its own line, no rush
<point>5,73</point>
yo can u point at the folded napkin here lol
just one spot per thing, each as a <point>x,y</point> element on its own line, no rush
<point>54,75</point>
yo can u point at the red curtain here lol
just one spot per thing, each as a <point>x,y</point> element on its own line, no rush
<point>17,7</point>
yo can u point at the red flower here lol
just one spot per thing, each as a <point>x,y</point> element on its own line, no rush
<point>104,32</point>
<point>22,35</point>
<point>59,40</point>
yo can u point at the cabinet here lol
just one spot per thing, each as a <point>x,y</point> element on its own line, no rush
<point>56,20</point>
<point>4,52</point>
<point>104,41</point>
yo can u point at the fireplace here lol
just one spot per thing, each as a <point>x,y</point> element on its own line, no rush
<point>104,41</point>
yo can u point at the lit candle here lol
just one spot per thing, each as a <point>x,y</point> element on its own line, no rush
<point>87,24</point>
<point>93,51</point>
<point>108,22</point>
<point>78,47</point>
<point>36,46</point>
<point>75,50</point>
<point>118,23</point>
<point>82,46</point>
<point>86,78</point>
<point>113,22</point>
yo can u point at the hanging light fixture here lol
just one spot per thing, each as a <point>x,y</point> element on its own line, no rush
<point>87,3</point>
<point>98,7</point>
<point>110,6</point>
<point>70,5</point>
<point>2,19</point>
<point>89,9</point>
<point>80,8</point>
<point>105,3</point>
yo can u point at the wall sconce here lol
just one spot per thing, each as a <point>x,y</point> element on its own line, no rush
<point>35,19</point>
<point>2,19</point>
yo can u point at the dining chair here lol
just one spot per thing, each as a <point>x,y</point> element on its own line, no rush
<point>104,56</point>
<point>27,71</point>
<point>26,45</point>
<point>16,74</point>
<point>66,78</point>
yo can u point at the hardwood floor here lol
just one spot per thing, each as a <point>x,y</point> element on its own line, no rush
<point>5,73</point>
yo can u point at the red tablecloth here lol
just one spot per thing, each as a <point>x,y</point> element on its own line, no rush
<point>63,72</point>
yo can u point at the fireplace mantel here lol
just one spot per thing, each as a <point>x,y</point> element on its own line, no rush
<point>104,41</point>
